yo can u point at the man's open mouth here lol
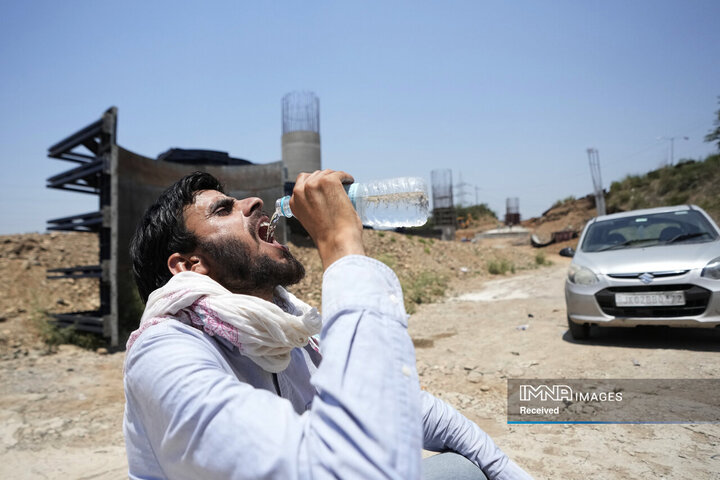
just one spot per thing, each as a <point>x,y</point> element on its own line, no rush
<point>263,228</point>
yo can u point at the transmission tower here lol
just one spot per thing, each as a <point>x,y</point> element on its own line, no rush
<point>461,191</point>
<point>594,158</point>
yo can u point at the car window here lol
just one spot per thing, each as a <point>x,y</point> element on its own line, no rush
<point>684,226</point>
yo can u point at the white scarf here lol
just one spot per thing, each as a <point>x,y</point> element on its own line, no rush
<point>261,330</point>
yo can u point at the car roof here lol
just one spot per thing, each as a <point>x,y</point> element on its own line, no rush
<point>646,211</point>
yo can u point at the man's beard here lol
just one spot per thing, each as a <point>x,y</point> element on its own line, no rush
<point>239,272</point>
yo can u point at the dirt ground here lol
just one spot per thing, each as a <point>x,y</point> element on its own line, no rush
<point>61,409</point>
<point>515,327</point>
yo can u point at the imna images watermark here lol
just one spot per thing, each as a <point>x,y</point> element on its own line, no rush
<point>613,401</point>
<point>559,393</point>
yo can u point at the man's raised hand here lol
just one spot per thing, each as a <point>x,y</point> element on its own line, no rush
<point>320,204</point>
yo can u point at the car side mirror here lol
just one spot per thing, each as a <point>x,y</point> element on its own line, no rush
<point>567,252</point>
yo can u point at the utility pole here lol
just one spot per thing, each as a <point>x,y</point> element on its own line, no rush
<point>594,158</point>
<point>672,145</point>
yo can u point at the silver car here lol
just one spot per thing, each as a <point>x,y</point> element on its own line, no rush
<point>659,266</point>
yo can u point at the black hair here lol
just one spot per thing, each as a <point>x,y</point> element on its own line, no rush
<point>162,232</point>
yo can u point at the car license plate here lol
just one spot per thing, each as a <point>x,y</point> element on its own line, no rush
<point>654,299</point>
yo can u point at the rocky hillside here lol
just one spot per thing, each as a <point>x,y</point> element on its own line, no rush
<point>688,182</point>
<point>571,214</point>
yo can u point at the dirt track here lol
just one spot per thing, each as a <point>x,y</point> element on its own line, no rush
<point>515,327</point>
<point>61,413</point>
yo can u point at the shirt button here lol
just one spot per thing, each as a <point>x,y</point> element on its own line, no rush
<point>393,298</point>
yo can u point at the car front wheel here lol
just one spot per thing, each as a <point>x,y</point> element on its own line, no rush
<point>578,331</point>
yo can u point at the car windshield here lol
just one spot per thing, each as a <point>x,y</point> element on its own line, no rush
<point>684,226</point>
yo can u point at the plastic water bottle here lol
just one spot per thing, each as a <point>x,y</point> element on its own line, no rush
<point>389,203</point>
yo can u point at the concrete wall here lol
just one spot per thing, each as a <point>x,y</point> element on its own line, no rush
<point>300,153</point>
<point>137,183</point>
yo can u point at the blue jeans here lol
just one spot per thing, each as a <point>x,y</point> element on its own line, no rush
<point>450,466</point>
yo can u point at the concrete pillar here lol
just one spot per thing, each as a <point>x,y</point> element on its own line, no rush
<point>300,153</point>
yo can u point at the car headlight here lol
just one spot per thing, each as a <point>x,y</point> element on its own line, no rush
<point>712,269</point>
<point>580,275</point>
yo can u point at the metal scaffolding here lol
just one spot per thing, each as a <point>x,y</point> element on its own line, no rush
<point>90,148</point>
<point>300,112</point>
<point>444,216</point>
<point>512,211</point>
<point>442,188</point>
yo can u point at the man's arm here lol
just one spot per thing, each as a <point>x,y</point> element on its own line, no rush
<point>445,429</point>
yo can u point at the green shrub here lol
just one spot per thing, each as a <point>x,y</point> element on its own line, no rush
<point>476,211</point>
<point>624,197</point>
<point>678,198</point>
<point>565,200</point>
<point>52,335</point>
<point>500,267</point>
<point>388,259</point>
<point>634,181</point>
<point>668,184</point>
<point>426,287</point>
<point>541,260</point>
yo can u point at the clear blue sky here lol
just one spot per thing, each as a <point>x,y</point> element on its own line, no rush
<point>507,94</point>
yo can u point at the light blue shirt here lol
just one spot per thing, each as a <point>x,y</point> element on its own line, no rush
<point>198,409</point>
